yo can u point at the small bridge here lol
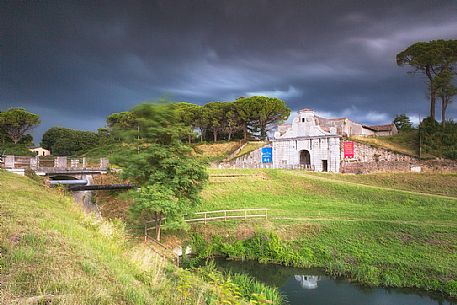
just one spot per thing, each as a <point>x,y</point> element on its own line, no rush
<point>54,166</point>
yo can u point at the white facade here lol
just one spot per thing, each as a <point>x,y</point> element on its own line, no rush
<point>40,151</point>
<point>304,144</point>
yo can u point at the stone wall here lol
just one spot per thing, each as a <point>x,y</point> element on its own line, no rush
<point>368,159</point>
<point>250,160</point>
<point>443,166</point>
<point>372,159</point>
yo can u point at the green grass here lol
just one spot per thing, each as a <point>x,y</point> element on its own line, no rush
<point>250,147</point>
<point>52,253</point>
<point>215,152</point>
<point>433,183</point>
<point>376,235</point>
<point>404,143</point>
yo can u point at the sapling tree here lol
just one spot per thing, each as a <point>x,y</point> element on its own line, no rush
<point>169,179</point>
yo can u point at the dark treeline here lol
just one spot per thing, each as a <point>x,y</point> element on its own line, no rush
<point>247,117</point>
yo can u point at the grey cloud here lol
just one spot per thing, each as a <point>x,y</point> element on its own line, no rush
<point>77,62</point>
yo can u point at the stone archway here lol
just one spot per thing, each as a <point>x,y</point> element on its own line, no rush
<point>305,159</point>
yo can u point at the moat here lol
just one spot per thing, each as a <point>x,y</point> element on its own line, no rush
<point>313,287</point>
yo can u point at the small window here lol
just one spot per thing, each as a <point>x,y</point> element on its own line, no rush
<point>303,120</point>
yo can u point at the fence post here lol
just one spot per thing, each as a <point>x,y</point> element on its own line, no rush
<point>266,214</point>
<point>145,231</point>
<point>225,215</point>
<point>245,214</point>
<point>34,162</point>
<point>104,163</point>
<point>9,162</point>
<point>205,218</point>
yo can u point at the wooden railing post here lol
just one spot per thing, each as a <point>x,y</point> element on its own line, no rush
<point>205,218</point>
<point>145,231</point>
<point>245,214</point>
<point>266,214</point>
<point>225,215</point>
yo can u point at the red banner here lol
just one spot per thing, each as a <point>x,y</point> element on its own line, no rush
<point>348,148</point>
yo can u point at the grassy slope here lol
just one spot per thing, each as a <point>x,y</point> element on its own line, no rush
<point>378,236</point>
<point>432,183</point>
<point>249,147</point>
<point>216,151</point>
<point>49,249</point>
<point>405,143</point>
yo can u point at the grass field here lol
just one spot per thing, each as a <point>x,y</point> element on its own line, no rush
<point>51,253</point>
<point>373,228</point>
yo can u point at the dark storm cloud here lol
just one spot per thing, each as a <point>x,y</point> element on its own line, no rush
<point>76,62</point>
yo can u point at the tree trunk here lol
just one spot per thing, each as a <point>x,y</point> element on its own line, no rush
<point>432,105</point>
<point>189,137</point>
<point>229,135</point>
<point>263,131</point>
<point>158,217</point>
<point>428,72</point>
<point>245,131</point>
<point>215,135</point>
<point>444,104</point>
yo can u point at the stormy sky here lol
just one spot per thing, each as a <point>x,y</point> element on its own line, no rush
<point>75,62</point>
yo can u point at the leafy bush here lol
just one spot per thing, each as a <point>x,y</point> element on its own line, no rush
<point>15,149</point>
<point>438,140</point>
<point>232,288</point>
<point>262,247</point>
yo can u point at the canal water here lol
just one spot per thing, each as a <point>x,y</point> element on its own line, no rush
<point>312,287</point>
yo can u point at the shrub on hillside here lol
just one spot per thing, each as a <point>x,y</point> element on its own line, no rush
<point>438,140</point>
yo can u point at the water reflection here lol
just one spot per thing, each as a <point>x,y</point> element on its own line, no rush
<point>313,287</point>
<point>307,281</point>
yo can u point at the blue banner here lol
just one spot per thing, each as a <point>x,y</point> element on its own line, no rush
<point>267,155</point>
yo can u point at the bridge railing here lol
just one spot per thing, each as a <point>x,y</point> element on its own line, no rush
<point>35,163</point>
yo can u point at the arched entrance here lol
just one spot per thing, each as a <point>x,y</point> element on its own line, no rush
<point>305,159</point>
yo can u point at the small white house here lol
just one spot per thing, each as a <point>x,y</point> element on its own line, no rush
<point>40,151</point>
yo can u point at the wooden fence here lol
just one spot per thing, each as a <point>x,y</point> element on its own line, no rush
<point>243,214</point>
<point>220,215</point>
<point>229,214</point>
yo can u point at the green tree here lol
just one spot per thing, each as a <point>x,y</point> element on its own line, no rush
<point>16,122</point>
<point>121,120</point>
<point>402,122</point>
<point>203,122</point>
<point>188,114</point>
<point>261,112</point>
<point>232,119</point>
<point>245,114</point>
<point>445,89</point>
<point>216,117</point>
<point>430,58</point>
<point>68,142</point>
<point>169,178</point>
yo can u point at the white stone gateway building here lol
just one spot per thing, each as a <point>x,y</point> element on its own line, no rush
<point>304,144</point>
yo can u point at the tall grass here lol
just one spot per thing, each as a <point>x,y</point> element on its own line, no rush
<point>50,252</point>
